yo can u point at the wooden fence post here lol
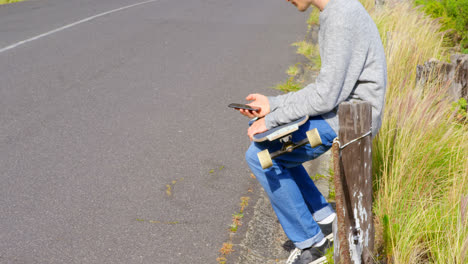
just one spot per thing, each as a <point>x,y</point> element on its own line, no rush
<point>353,185</point>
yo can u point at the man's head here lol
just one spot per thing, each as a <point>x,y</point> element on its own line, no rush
<point>301,5</point>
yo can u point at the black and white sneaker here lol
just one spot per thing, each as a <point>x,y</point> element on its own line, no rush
<point>326,225</point>
<point>312,255</point>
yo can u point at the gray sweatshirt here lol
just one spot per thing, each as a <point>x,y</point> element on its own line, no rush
<point>353,68</point>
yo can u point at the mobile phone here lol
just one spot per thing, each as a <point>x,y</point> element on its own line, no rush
<point>244,106</point>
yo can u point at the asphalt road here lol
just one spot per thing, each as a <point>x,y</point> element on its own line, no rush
<point>97,119</point>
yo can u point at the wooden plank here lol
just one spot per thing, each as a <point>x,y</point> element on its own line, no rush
<point>354,184</point>
<point>341,248</point>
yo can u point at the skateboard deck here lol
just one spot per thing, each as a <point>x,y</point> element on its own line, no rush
<point>280,131</point>
<point>283,134</point>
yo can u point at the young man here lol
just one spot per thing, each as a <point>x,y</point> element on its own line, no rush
<point>353,68</point>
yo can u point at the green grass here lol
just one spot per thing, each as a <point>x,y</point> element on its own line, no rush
<point>313,17</point>
<point>3,2</point>
<point>311,52</point>
<point>293,70</point>
<point>289,86</point>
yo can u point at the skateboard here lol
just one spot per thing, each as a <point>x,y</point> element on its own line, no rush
<point>283,133</point>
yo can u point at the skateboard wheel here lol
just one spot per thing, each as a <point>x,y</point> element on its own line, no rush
<point>314,138</point>
<point>265,159</point>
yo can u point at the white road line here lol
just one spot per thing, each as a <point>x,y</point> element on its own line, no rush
<point>71,25</point>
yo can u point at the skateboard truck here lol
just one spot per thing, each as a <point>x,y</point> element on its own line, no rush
<point>285,137</point>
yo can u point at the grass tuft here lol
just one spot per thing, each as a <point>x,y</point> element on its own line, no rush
<point>3,2</point>
<point>311,52</point>
<point>289,86</point>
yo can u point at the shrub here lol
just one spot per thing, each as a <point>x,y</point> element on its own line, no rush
<point>453,15</point>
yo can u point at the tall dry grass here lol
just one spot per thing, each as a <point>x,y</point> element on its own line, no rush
<point>421,154</point>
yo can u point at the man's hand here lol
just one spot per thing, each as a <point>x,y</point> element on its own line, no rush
<point>259,101</point>
<point>256,128</point>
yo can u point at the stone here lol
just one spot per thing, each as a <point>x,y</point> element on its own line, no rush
<point>454,73</point>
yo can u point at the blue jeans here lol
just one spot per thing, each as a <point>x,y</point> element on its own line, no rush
<point>297,202</point>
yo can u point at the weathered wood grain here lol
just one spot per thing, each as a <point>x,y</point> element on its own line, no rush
<point>353,183</point>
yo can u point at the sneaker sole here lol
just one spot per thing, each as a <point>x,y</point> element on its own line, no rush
<point>294,254</point>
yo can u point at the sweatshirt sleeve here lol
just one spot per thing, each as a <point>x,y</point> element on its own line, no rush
<point>343,55</point>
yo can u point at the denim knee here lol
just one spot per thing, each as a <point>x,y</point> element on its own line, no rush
<point>251,156</point>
